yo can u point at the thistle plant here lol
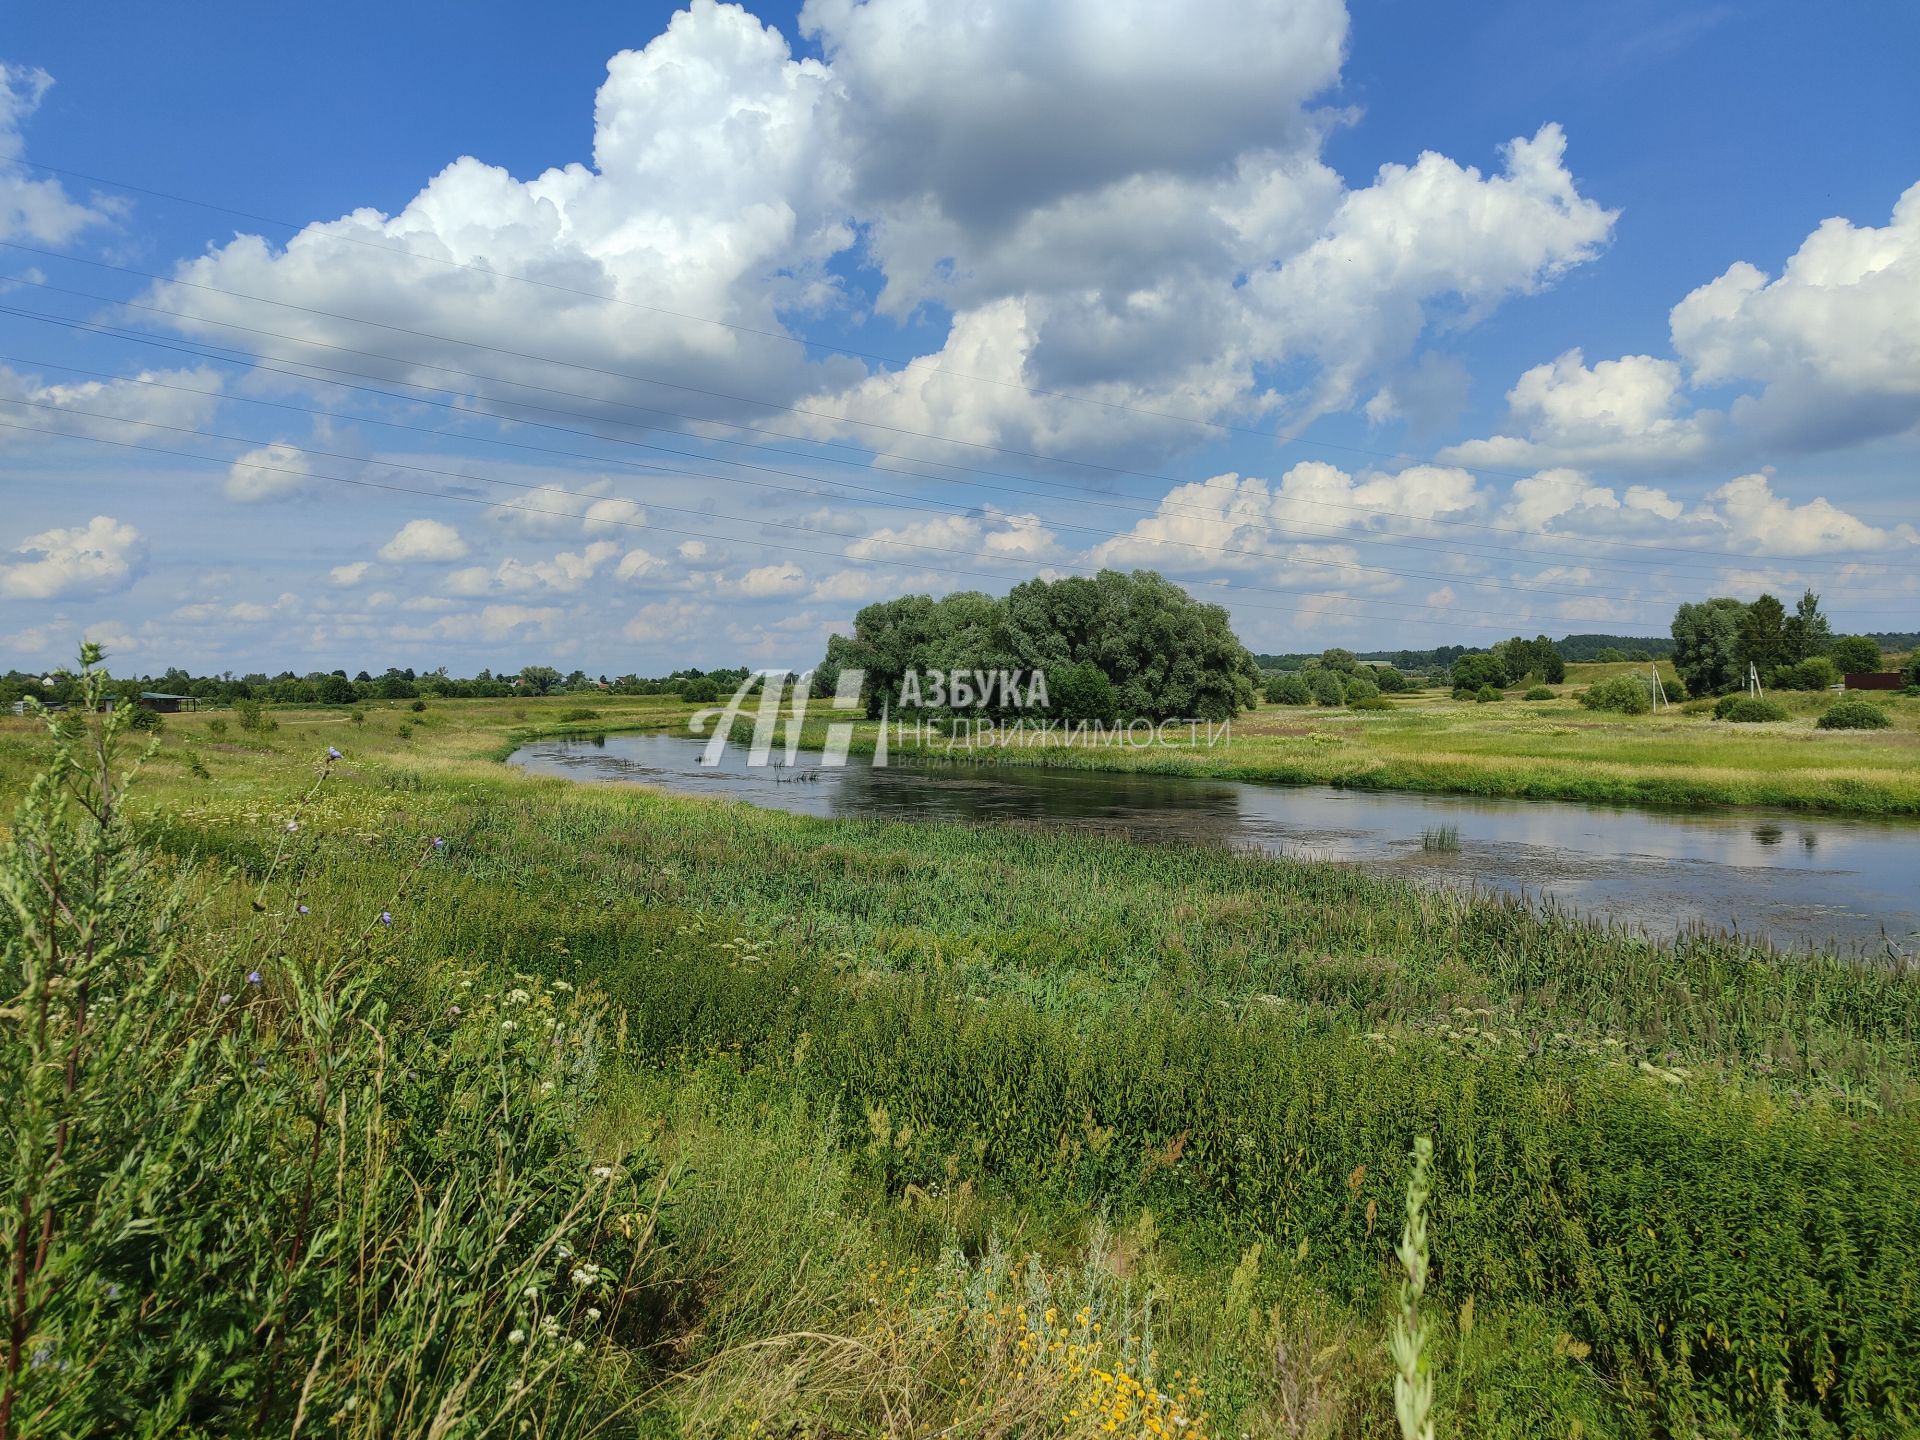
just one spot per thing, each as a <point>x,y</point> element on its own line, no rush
<point>1413,1371</point>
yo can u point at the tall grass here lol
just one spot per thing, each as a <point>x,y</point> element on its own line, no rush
<point>1673,1183</point>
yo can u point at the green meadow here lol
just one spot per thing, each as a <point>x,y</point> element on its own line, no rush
<point>1544,750</point>
<point>403,1093</point>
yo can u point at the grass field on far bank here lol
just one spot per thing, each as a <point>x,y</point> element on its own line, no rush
<point>883,1063</point>
<point>1542,750</point>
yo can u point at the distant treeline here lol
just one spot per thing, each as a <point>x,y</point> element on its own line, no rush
<point>336,687</point>
<point>1574,649</point>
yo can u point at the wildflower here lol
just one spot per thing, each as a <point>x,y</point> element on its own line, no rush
<point>300,909</point>
<point>438,843</point>
<point>332,754</point>
<point>579,1347</point>
<point>593,1312</point>
<point>386,917</point>
<point>517,997</point>
<point>292,825</point>
<point>453,1009</point>
<point>531,1292</point>
<point>516,1335</point>
<point>226,999</point>
<point>603,1172</point>
<point>508,1025</point>
<point>253,977</point>
<point>585,1275</point>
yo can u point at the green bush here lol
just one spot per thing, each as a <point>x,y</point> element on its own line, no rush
<point>418,707</point>
<point>1326,687</point>
<point>1370,702</point>
<point>1748,710</point>
<point>1486,695</point>
<point>1289,688</point>
<point>1856,654</point>
<point>1538,692</point>
<point>1854,715</point>
<point>579,713</point>
<point>1358,687</point>
<point>1620,695</point>
<point>141,718</point>
<point>216,727</point>
<point>1814,673</point>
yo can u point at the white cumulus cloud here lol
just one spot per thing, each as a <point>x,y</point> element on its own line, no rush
<point>426,540</point>
<point>99,558</point>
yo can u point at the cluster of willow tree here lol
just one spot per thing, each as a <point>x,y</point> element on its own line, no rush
<point>1718,643</point>
<point>1115,646</point>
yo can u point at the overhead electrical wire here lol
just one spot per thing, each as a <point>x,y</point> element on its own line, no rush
<point>690,389</point>
<point>1291,529</point>
<point>1077,495</point>
<point>227,461</point>
<point>909,503</point>
<point>256,444</point>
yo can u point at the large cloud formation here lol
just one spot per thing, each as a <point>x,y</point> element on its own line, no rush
<point>1828,352</point>
<point>1116,197</point>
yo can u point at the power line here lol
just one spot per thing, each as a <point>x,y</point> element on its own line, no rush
<point>502,380</point>
<point>257,444</point>
<point>904,362</point>
<point>657,529</point>
<point>933,507</point>
<point>1290,529</point>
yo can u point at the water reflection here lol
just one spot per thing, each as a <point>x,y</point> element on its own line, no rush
<point>1846,883</point>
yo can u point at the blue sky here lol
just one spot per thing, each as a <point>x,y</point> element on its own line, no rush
<point>1630,315</point>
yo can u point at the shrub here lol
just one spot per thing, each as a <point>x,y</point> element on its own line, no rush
<point>1814,673</point>
<point>1854,715</point>
<point>1620,695</point>
<point>1370,702</point>
<point>1856,654</point>
<point>580,713</point>
<point>216,726</point>
<point>1461,692</point>
<point>252,715</point>
<point>1361,688</point>
<point>1486,695</point>
<point>141,718</point>
<point>1748,710</point>
<point>1289,688</point>
<point>1538,692</point>
<point>404,729</point>
<point>1326,688</point>
<point>418,707</point>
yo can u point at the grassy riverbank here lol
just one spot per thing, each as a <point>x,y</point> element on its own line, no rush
<point>1541,750</point>
<point>868,1068</point>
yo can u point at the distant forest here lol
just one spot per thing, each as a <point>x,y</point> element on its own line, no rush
<point>1574,649</point>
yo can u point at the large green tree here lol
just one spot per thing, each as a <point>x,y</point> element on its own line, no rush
<point>1707,645</point>
<point>1160,652</point>
<point>1763,635</point>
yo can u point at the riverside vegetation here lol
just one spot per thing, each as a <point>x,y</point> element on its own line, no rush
<point>397,1093</point>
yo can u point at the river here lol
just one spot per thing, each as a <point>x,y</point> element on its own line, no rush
<point>1797,880</point>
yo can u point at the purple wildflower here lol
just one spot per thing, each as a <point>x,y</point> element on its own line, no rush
<point>253,977</point>
<point>301,909</point>
<point>386,917</point>
<point>226,999</point>
<point>332,754</point>
<point>439,843</point>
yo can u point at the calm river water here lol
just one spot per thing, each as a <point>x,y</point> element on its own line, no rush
<point>1798,880</point>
